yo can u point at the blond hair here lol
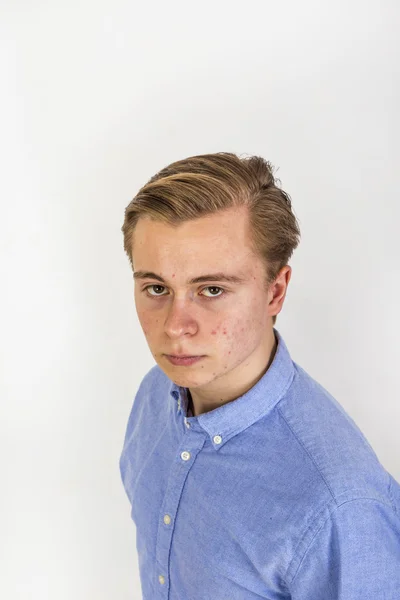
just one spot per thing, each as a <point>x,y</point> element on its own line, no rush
<point>207,183</point>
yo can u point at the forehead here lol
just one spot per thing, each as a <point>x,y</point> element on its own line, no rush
<point>214,242</point>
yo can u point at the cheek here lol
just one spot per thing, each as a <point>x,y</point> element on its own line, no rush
<point>231,333</point>
<point>237,335</point>
<point>148,323</point>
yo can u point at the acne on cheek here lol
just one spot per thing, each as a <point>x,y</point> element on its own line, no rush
<point>217,328</point>
<point>234,340</point>
<point>231,335</point>
<point>225,330</point>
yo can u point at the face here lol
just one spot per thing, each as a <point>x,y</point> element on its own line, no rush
<point>228,323</point>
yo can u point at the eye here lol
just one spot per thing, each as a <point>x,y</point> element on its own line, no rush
<point>210,287</point>
<point>153,286</point>
<point>214,287</point>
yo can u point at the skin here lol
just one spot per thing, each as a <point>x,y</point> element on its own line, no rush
<point>231,324</point>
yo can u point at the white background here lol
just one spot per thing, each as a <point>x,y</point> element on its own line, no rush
<point>96,97</point>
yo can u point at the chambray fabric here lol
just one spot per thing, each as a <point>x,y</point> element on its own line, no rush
<point>275,495</point>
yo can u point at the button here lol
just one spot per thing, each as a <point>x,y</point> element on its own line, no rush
<point>217,439</point>
<point>167,519</point>
<point>185,455</point>
<point>187,423</point>
<point>161,579</point>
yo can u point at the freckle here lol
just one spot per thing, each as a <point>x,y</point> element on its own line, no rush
<point>173,274</point>
<point>224,332</point>
<point>229,352</point>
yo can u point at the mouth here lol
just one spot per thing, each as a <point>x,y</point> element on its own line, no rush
<point>183,360</point>
<point>184,355</point>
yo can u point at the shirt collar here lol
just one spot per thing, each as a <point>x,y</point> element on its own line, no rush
<point>231,418</point>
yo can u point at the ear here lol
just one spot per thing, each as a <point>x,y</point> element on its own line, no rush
<point>278,289</point>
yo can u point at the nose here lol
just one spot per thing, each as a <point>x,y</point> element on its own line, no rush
<point>180,321</point>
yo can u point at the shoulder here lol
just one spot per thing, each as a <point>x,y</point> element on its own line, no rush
<point>154,381</point>
<point>332,441</point>
<point>154,378</point>
<point>152,390</point>
<point>353,508</point>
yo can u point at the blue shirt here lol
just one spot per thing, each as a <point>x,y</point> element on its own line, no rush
<point>276,494</point>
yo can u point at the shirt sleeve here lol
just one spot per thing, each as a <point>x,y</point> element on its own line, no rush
<point>355,555</point>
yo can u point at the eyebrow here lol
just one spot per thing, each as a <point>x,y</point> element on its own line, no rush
<point>201,279</point>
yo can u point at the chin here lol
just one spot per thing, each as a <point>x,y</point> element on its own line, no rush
<point>187,380</point>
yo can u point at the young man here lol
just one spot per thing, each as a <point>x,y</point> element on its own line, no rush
<point>246,478</point>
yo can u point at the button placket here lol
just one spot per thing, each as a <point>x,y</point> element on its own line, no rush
<point>170,509</point>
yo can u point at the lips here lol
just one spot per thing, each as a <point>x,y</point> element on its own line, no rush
<point>183,361</point>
